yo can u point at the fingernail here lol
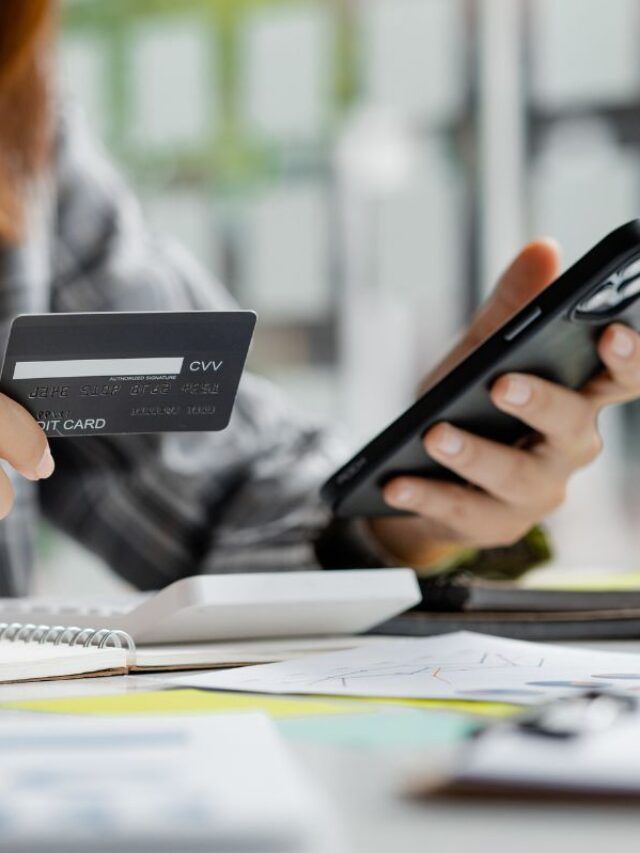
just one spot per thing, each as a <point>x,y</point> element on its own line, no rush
<point>403,495</point>
<point>622,343</point>
<point>518,391</point>
<point>449,441</point>
<point>45,466</point>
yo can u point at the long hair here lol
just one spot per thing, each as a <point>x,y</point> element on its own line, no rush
<point>26,29</point>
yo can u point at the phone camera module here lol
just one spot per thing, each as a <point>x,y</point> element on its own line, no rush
<point>603,300</point>
<point>621,288</point>
<point>630,281</point>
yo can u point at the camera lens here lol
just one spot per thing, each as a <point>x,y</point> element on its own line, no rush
<point>603,300</point>
<point>630,281</point>
<point>622,286</point>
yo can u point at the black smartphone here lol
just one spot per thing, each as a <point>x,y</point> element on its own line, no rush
<point>554,336</point>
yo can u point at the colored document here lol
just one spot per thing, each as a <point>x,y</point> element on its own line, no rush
<point>188,701</point>
<point>162,702</point>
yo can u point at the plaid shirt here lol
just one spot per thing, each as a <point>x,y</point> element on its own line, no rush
<point>157,508</point>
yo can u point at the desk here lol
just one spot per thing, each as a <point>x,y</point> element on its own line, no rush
<point>364,790</point>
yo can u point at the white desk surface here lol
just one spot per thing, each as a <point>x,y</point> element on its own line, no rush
<point>365,790</point>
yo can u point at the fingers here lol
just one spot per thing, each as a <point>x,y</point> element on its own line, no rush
<point>6,495</point>
<point>463,513</point>
<point>22,442</point>
<point>534,268</point>
<point>567,420</point>
<point>619,350</point>
<point>514,476</point>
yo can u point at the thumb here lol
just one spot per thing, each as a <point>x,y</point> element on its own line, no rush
<point>537,265</point>
<point>534,268</point>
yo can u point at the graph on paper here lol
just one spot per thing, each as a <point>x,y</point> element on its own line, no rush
<point>462,665</point>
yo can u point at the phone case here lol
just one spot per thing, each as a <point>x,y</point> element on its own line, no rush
<point>553,337</point>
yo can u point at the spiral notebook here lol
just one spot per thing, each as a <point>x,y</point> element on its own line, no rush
<point>30,652</point>
<point>40,652</point>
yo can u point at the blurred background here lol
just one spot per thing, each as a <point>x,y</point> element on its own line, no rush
<point>359,172</point>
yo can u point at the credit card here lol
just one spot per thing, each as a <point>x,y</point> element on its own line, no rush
<point>118,373</point>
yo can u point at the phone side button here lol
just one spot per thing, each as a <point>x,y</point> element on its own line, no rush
<point>526,321</point>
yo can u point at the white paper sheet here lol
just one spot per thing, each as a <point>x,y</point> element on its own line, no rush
<point>154,784</point>
<point>462,665</point>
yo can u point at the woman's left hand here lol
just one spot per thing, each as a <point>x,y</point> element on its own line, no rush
<point>511,488</point>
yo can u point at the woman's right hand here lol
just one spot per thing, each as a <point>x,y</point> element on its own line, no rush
<point>24,446</point>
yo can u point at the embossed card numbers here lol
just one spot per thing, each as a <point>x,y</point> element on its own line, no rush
<point>139,372</point>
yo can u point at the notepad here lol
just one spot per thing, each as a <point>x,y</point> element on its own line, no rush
<point>193,656</point>
<point>25,661</point>
<point>30,652</point>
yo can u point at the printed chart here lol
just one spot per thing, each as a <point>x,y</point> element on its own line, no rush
<point>463,665</point>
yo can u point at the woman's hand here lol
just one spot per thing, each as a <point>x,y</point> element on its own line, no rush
<point>511,488</point>
<point>24,446</point>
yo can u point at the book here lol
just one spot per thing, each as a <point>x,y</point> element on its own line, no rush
<point>619,624</point>
<point>463,592</point>
<point>552,605</point>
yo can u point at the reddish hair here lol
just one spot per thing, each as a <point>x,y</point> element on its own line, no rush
<point>26,28</point>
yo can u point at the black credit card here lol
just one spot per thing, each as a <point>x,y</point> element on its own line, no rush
<point>117,373</point>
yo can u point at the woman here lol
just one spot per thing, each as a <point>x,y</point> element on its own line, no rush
<point>158,508</point>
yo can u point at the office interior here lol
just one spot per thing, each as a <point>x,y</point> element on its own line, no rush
<point>365,205</point>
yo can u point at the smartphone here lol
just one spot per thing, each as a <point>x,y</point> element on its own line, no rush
<point>554,336</point>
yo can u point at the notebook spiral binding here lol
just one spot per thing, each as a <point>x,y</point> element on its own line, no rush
<point>70,635</point>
